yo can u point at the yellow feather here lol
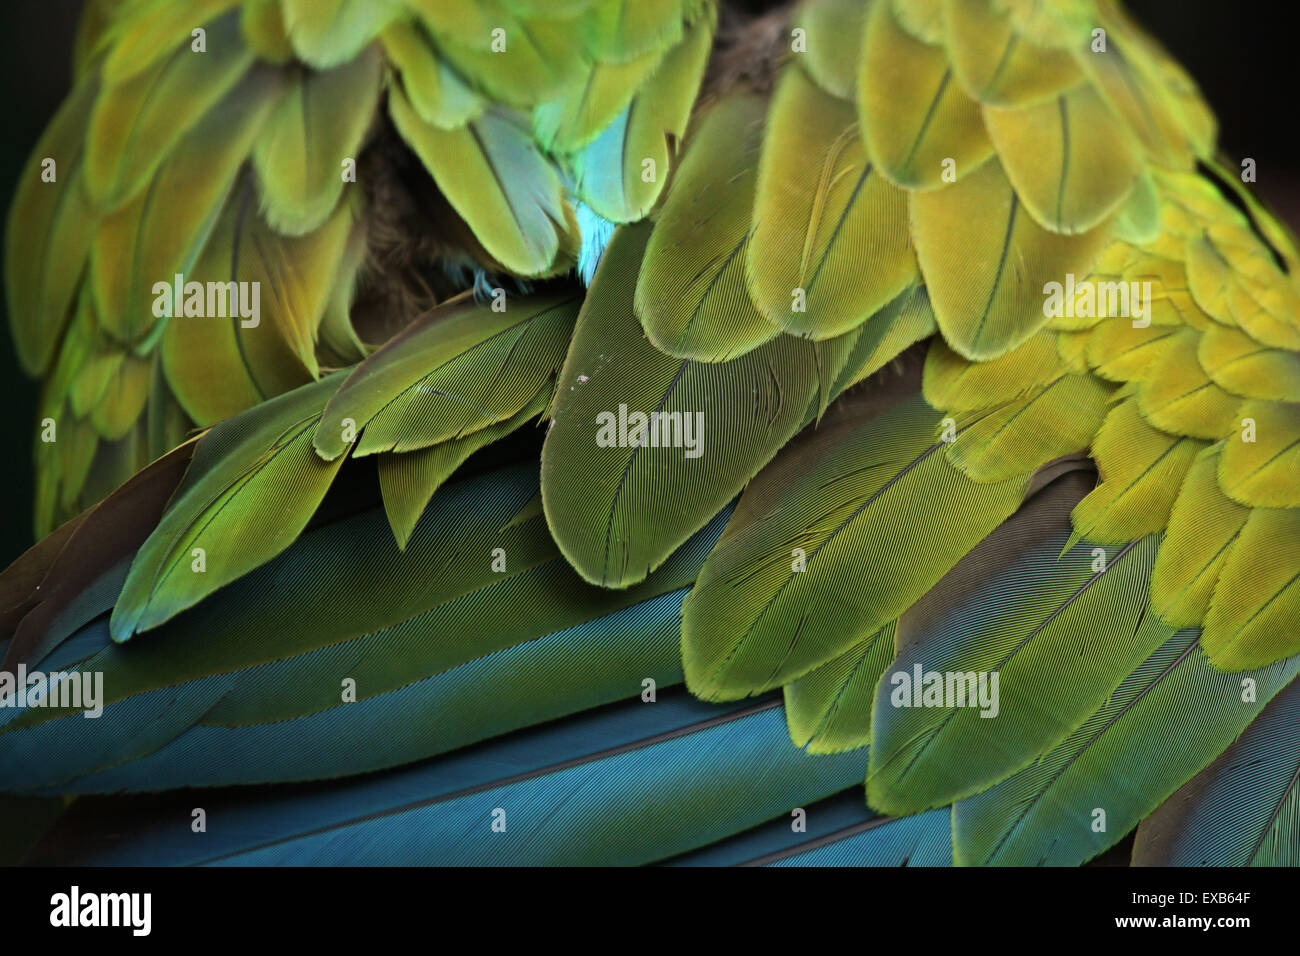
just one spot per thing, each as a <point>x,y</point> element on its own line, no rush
<point>1260,465</point>
<point>1252,617</point>
<point>1141,470</point>
<point>914,115</point>
<point>986,261</point>
<point>1202,527</point>
<point>1069,160</point>
<point>830,244</point>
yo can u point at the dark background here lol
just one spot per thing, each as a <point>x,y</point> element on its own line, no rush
<point>1242,57</point>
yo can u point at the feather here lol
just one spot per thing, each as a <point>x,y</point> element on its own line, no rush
<point>923,19</point>
<point>327,33</point>
<point>1219,266</point>
<point>1240,365</point>
<point>496,180</point>
<point>776,598</point>
<point>318,127</point>
<point>913,115</point>
<point>123,398</point>
<point>621,173</point>
<point>254,483</point>
<point>986,262</point>
<point>540,59</point>
<point>833,42</point>
<point>435,90</point>
<point>217,367</point>
<point>570,122</point>
<point>883,337</point>
<point>1261,458</point>
<point>1178,397</point>
<point>1138,218</point>
<point>1133,96</point>
<point>921,840</point>
<point>460,368</point>
<point>1070,161</point>
<point>822,819</point>
<point>1203,526</point>
<point>1059,634</point>
<point>621,30</point>
<point>996,65</point>
<point>618,509</point>
<point>152,238</point>
<point>830,245</point>
<point>953,383</point>
<point>1060,418</point>
<point>557,790</point>
<point>410,479</point>
<point>261,23</point>
<point>48,235</point>
<point>829,708</point>
<point>1168,719</point>
<point>152,31</point>
<point>462,627</point>
<point>691,295</point>
<point>135,125</point>
<point>1242,809</point>
<point>1251,621</point>
<point>1141,470</point>
<point>89,570</point>
<point>1121,352</point>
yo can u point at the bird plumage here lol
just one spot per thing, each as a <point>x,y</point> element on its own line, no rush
<point>809,421</point>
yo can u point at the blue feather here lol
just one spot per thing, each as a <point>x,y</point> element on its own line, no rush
<point>921,840</point>
<point>630,783</point>
<point>596,232</point>
<point>1242,810</point>
<point>823,818</point>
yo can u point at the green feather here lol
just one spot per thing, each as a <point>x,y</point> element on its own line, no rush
<point>318,126</point>
<point>1060,636</point>
<point>1203,525</point>
<point>410,479</point>
<point>327,33</point>
<point>135,125</point>
<point>48,235</point>
<point>691,295</point>
<point>1240,365</point>
<point>438,94</point>
<point>463,367</point>
<point>1141,471</point>
<point>617,511</point>
<point>829,708</point>
<point>254,484</point>
<point>1172,716</point>
<point>831,542</point>
<point>1058,419</point>
<point>153,238</point>
<point>913,114</point>
<point>1261,457</point>
<point>1251,621</point>
<point>152,30</point>
<point>1069,159</point>
<point>832,43</point>
<point>493,175</point>
<point>986,261</point>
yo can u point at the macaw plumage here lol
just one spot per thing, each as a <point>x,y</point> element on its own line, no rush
<point>626,431</point>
